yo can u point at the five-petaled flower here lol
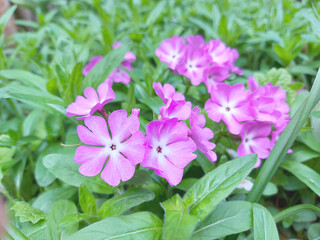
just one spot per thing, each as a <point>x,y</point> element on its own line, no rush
<point>169,149</point>
<point>122,150</point>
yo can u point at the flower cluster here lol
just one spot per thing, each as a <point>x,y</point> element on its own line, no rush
<point>167,147</point>
<point>259,114</point>
<point>170,143</point>
<point>210,62</point>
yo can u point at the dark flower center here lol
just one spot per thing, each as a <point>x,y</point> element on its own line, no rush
<point>246,140</point>
<point>227,109</point>
<point>159,149</point>
<point>113,147</point>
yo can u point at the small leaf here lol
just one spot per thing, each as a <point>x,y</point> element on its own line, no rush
<point>141,225</point>
<point>228,218</point>
<point>59,210</point>
<point>119,204</point>
<point>314,231</point>
<point>216,185</point>
<point>174,203</point>
<point>27,213</point>
<point>87,201</point>
<point>178,225</point>
<point>154,103</point>
<point>264,227</point>
<point>46,200</point>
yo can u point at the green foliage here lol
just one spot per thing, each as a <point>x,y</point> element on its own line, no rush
<point>142,225</point>
<point>215,186</point>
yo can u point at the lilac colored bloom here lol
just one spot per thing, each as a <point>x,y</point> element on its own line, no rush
<point>171,51</point>
<point>93,61</point>
<point>193,63</point>
<point>122,150</point>
<point>269,103</point>
<point>169,149</point>
<point>176,106</point>
<point>254,139</point>
<point>229,104</point>
<point>93,101</point>
<point>223,55</point>
<point>214,75</point>
<point>196,41</point>
<point>167,92</point>
<point>201,135</point>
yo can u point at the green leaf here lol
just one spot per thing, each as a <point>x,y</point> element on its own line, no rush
<point>6,17</point>
<point>71,219</point>
<point>314,231</point>
<point>35,231</point>
<point>174,203</point>
<point>64,168</point>
<point>264,227</point>
<point>309,139</point>
<point>28,94</point>
<point>118,204</point>
<point>74,85</point>
<point>178,225</point>
<point>285,141</point>
<point>228,218</point>
<point>305,174</point>
<point>87,201</point>
<point>59,210</point>
<point>27,213</point>
<point>46,200</point>
<point>156,12</point>
<point>204,162</point>
<point>271,189</point>
<point>25,77</point>
<point>105,67</point>
<point>154,103</point>
<point>138,226</point>
<point>130,100</point>
<point>30,122</point>
<point>15,233</point>
<point>216,185</point>
<point>291,211</point>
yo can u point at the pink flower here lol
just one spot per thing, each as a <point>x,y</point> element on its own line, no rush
<point>169,149</point>
<point>176,106</point>
<point>93,61</point>
<point>223,55</point>
<point>167,92</point>
<point>254,139</point>
<point>229,104</point>
<point>214,75</point>
<point>201,135</point>
<point>171,51</point>
<point>196,41</point>
<point>93,101</point>
<point>122,150</point>
<point>193,63</point>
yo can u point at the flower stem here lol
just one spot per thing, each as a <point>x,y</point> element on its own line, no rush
<point>104,114</point>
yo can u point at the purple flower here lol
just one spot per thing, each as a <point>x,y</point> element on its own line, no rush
<point>171,51</point>
<point>93,61</point>
<point>201,135</point>
<point>93,101</point>
<point>122,150</point>
<point>196,41</point>
<point>222,55</point>
<point>176,106</point>
<point>193,63</point>
<point>169,149</point>
<point>229,104</point>
<point>214,75</point>
<point>254,139</point>
<point>167,92</point>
